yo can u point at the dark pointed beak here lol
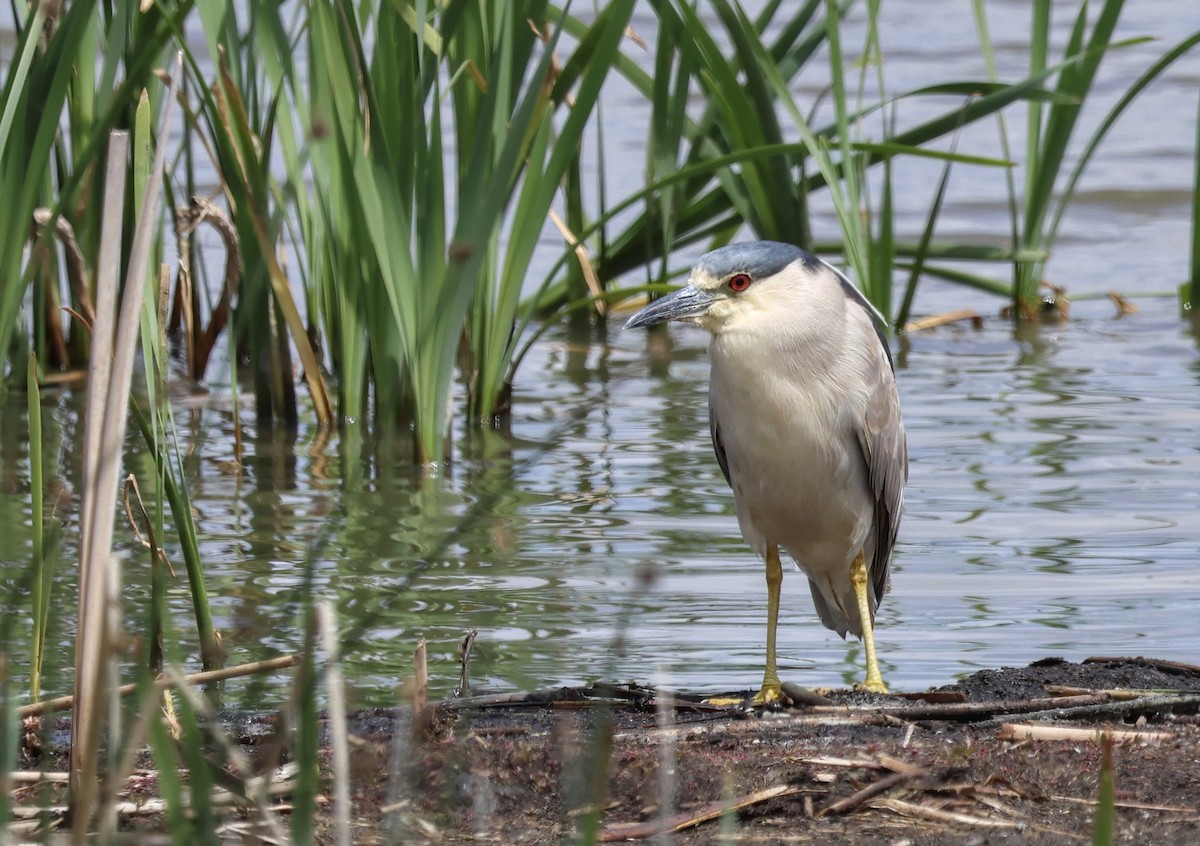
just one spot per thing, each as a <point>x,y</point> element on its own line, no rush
<point>688,301</point>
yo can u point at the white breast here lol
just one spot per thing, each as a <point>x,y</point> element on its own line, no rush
<point>789,432</point>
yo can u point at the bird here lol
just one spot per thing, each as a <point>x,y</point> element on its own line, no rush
<point>806,425</point>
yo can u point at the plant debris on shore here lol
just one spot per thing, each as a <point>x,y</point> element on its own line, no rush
<point>1013,755</point>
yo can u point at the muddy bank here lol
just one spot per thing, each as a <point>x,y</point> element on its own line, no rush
<point>1012,756</point>
<point>953,765</point>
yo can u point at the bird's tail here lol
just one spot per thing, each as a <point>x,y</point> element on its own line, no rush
<point>837,607</point>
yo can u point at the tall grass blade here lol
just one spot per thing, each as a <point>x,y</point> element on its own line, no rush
<point>1010,179</point>
<point>1039,54</point>
<point>31,106</point>
<point>1192,296</point>
<point>10,734</point>
<point>170,477</point>
<point>170,783</point>
<point>674,71</point>
<point>1105,824</point>
<point>1050,129</point>
<point>19,73</point>
<point>254,198</point>
<point>156,424</point>
<point>918,263</point>
<point>43,572</point>
<point>549,160</point>
<point>922,251</point>
<point>304,698</point>
<point>9,743</point>
<point>199,784</point>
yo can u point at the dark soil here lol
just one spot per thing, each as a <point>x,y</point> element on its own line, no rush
<point>545,770</point>
<point>577,765</point>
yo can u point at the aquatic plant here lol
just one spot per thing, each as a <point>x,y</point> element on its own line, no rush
<point>1037,210</point>
<point>409,275</point>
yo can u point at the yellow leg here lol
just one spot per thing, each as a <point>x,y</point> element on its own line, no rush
<point>771,690</point>
<point>858,577</point>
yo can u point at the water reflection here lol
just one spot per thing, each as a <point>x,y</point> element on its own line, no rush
<point>1051,510</point>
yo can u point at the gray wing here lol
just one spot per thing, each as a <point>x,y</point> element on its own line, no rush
<point>885,449</point>
<point>880,435</point>
<point>714,429</point>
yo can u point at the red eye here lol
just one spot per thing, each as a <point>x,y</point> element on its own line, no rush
<point>739,283</point>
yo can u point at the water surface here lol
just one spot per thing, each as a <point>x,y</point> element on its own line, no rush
<point>1053,507</point>
<point>1052,510</point>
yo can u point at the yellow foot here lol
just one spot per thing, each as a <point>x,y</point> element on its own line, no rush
<point>770,693</point>
<point>873,686</point>
<point>725,701</point>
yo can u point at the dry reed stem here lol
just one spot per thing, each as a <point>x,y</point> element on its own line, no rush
<point>421,716</point>
<point>664,716</point>
<point>76,267</point>
<point>707,812</point>
<point>465,647</point>
<point>1121,694</point>
<point>912,809</point>
<point>100,467</point>
<point>107,414</point>
<point>883,785</point>
<point>62,703</point>
<point>1135,806</point>
<point>339,744</point>
<point>1012,731</point>
<point>949,317</point>
<point>201,341</point>
<point>585,261</point>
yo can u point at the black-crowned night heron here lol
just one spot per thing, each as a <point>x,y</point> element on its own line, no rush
<point>805,421</point>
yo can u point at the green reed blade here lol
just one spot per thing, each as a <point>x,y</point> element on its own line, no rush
<point>43,571</point>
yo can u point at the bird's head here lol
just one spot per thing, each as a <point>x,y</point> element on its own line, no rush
<point>736,283</point>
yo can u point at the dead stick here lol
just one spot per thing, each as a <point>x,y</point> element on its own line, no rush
<point>872,790</point>
<point>910,809</point>
<point>976,710</point>
<point>37,777</point>
<point>421,718</point>
<point>64,703</point>
<point>678,822</point>
<point>1059,690</point>
<point>1010,731</point>
<point>1109,709</point>
<point>464,658</point>
<point>1138,806</point>
<point>943,319</point>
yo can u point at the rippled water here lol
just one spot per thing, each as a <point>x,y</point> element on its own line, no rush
<point>1053,507</point>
